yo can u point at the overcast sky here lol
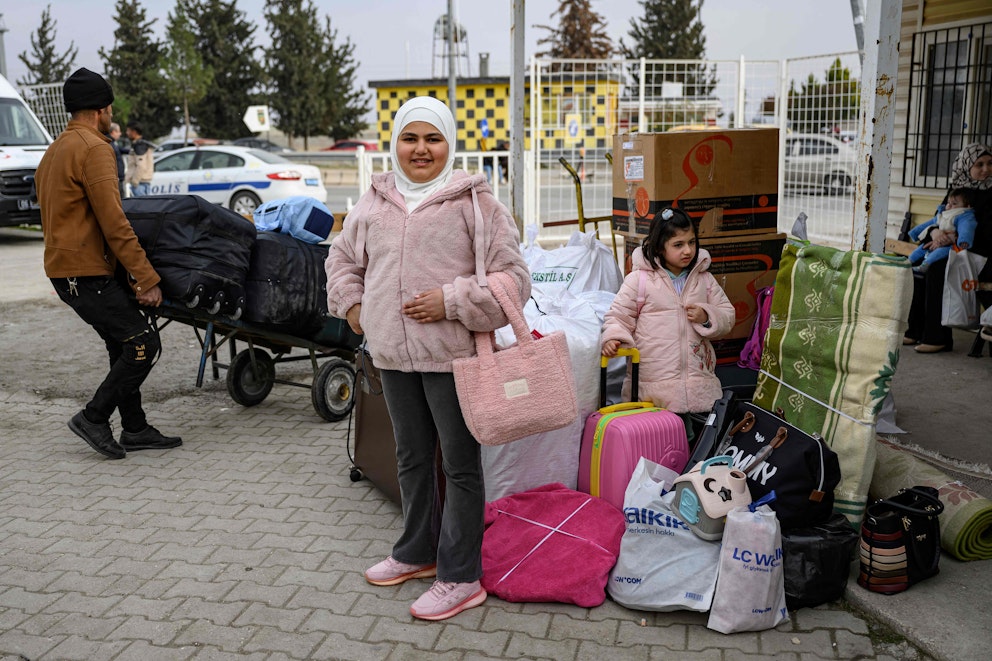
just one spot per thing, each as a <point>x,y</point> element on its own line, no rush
<point>394,38</point>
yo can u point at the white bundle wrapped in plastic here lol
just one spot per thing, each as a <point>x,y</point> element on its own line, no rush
<point>552,456</point>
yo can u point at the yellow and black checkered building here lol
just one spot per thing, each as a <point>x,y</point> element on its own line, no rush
<point>577,112</point>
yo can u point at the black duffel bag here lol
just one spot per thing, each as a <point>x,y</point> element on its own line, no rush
<point>774,454</point>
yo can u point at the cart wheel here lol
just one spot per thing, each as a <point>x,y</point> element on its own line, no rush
<point>195,299</point>
<point>334,389</point>
<point>356,474</point>
<point>218,301</point>
<point>246,386</point>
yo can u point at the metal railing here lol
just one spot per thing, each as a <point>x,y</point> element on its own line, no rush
<point>46,102</point>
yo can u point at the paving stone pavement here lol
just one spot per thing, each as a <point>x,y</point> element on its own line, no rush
<point>248,542</point>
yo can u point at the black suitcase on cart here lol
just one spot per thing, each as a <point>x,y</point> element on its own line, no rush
<point>286,287</point>
<point>200,250</point>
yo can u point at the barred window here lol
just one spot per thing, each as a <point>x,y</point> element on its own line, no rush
<point>950,100</point>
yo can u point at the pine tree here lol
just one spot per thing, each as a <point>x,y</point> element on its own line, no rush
<point>44,65</point>
<point>672,30</point>
<point>346,102</point>
<point>187,79</point>
<point>225,41</point>
<point>817,105</point>
<point>581,33</point>
<point>134,69</point>
<point>294,61</point>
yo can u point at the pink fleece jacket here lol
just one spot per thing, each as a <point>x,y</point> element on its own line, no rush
<point>677,359</point>
<point>385,255</point>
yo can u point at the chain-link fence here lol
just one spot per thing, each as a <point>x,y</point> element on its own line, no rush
<point>46,102</point>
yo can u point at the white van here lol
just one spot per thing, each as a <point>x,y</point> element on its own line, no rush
<point>23,140</point>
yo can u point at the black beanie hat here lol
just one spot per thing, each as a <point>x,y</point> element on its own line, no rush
<point>85,90</point>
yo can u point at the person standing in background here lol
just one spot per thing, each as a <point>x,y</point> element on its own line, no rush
<point>140,165</point>
<point>115,136</point>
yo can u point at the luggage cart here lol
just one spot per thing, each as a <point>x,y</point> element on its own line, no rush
<point>251,372</point>
<point>582,220</point>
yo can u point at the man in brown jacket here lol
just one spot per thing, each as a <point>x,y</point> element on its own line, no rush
<point>86,235</point>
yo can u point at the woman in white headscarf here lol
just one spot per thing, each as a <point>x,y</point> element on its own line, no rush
<point>409,271</point>
<point>972,169</point>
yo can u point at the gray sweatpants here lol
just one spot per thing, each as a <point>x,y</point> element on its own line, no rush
<point>424,406</point>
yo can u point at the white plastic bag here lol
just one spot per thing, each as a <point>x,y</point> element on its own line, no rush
<point>986,318</point>
<point>583,264</point>
<point>663,566</point>
<point>960,304</point>
<point>750,593</point>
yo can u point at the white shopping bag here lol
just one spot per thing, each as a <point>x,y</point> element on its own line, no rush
<point>750,593</point>
<point>960,303</point>
<point>663,566</point>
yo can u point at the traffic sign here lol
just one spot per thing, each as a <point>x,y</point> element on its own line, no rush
<point>257,118</point>
<point>484,127</point>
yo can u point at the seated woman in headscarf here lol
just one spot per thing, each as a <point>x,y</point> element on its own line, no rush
<point>972,169</point>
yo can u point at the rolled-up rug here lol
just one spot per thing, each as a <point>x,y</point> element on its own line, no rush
<point>965,525</point>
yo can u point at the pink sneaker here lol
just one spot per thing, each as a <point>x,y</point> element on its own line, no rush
<point>446,600</point>
<point>394,572</point>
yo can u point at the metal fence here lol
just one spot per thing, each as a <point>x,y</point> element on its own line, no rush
<point>577,106</point>
<point>46,102</point>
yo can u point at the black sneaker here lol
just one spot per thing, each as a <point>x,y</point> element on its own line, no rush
<point>97,436</point>
<point>148,438</point>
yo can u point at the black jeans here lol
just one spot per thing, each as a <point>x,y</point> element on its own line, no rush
<point>132,345</point>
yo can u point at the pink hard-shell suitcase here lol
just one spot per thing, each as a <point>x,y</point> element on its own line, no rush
<point>616,437</point>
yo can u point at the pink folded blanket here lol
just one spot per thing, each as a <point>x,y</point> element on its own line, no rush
<point>550,544</point>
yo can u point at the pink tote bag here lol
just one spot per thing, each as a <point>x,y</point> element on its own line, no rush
<point>522,390</point>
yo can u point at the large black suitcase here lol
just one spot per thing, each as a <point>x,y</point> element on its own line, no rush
<point>286,287</point>
<point>200,250</point>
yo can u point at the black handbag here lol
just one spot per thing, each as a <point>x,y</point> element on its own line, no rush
<point>900,540</point>
<point>778,456</point>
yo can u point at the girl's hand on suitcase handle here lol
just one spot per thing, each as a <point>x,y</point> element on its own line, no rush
<point>426,306</point>
<point>610,348</point>
<point>352,317</point>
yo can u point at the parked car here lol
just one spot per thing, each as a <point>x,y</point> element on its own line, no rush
<point>179,143</point>
<point>262,143</point>
<point>819,162</point>
<point>237,177</point>
<point>352,145</point>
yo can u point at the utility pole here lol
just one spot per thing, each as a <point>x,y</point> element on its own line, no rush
<point>452,85</point>
<point>3,48</point>
<point>858,15</point>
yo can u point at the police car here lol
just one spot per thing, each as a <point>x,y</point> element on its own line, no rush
<point>236,177</point>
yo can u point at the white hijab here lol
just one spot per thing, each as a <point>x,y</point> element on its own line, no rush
<point>430,110</point>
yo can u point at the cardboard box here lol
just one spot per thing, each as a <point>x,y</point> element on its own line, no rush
<point>742,264</point>
<point>727,178</point>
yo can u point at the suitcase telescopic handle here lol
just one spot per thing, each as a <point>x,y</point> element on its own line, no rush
<point>635,359</point>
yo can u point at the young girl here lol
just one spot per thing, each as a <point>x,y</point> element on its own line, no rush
<point>669,307</point>
<point>409,270</point>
